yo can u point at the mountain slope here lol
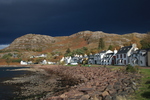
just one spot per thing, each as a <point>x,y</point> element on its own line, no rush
<point>78,40</point>
<point>32,42</point>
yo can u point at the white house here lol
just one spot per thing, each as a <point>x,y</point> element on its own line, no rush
<point>23,63</point>
<point>138,57</point>
<point>38,56</point>
<point>142,57</point>
<point>67,60</point>
<point>91,59</point>
<point>73,60</point>
<point>101,58</point>
<point>122,56</point>
<point>44,62</point>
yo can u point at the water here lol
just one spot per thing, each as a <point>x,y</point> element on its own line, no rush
<point>7,90</point>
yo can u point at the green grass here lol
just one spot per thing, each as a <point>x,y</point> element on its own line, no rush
<point>143,93</point>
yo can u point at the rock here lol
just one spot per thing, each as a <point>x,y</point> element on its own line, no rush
<point>85,97</point>
<point>95,97</point>
<point>105,93</point>
<point>120,98</point>
<point>112,92</point>
<point>117,86</point>
<point>134,87</point>
<point>86,89</point>
<point>100,88</point>
<point>63,96</point>
<point>108,97</point>
<point>128,90</point>
<point>108,86</point>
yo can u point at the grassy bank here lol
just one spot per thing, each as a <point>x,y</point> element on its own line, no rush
<point>143,93</point>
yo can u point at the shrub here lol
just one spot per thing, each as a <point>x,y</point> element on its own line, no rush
<point>132,69</point>
<point>16,60</point>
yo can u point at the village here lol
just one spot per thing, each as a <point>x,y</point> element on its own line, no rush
<point>124,56</point>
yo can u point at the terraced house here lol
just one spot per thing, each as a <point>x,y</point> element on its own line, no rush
<point>122,56</point>
<point>140,57</point>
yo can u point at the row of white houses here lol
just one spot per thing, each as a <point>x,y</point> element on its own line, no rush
<point>124,56</point>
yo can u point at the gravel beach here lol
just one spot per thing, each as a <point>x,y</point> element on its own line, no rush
<point>33,85</point>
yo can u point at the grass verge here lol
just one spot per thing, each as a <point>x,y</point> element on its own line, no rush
<point>143,93</point>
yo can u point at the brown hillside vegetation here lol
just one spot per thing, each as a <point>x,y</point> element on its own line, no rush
<point>89,39</point>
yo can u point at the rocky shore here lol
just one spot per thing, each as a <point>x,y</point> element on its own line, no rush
<point>96,83</point>
<point>33,85</point>
<point>51,82</point>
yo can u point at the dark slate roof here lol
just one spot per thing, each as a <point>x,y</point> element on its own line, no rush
<point>103,52</point>
<point>136,52</point>
<point>124,49</point>
<point>144,50</point>
<point>109,53</point>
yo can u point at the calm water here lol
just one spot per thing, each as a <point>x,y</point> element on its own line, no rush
<point>6,90</point>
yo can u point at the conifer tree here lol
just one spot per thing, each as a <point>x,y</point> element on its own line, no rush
<point>110,47</point>
<point>101,44</point>
<point>68,50</point>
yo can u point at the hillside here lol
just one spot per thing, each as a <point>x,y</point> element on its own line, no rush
<point>44,43</point>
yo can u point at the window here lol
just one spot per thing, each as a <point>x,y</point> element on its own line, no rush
<point>121,61</point>
<point>121,56</point>
<point>124,55</point>
<point>141,62</point>
<point>117,56</point>
<point>125,62</point>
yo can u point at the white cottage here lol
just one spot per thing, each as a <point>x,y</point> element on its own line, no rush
<point>139,57</point>
<point>23,63</point>
<point>91,59</point>
<point>122,57</point>
<point>142,58</point>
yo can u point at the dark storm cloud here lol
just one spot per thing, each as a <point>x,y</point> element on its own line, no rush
<point>65,17</point>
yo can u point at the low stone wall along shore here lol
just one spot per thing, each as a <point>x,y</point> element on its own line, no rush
<point>92,83</point>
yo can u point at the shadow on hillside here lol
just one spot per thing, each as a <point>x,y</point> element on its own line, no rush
<point>148,82</point>
<point>146,95</point>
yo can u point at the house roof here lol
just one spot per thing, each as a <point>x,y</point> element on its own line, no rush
<point>136,51</point>
<point>144,52</point>
<point>103,52</point>
<point>124,49</point>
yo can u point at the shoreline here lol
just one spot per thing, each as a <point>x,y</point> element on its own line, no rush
<point>15,66</point>
<point>62,82</point>
<point>35,83</point>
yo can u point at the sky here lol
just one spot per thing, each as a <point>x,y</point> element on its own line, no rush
<point>66,17</point>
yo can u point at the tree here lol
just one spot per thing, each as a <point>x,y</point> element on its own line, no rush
<point>80,51</point>
<point>85,48</point>
<point>49,56</point>
<point>110,47</point>
<point>94,51</point>
<point>8,60</point>
<point>146,41</point>
<point>101,44</point>
<point>68,50</point>
<point>7,57</point>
